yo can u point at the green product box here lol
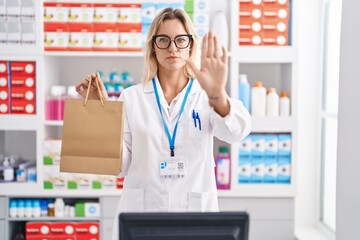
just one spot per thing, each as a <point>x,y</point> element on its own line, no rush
<point>72,185</point>
<point>48,160</point>
<point>80,209</point>
<point>96,185</point>
<point>48,185</point>
<point>189,6</point>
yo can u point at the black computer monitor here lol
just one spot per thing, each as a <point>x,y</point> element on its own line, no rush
<point>184,226</point>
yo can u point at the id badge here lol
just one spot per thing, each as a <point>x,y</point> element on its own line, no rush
<point>174,168</point>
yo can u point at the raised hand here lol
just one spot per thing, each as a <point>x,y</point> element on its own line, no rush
<point>213,73</point>
<point>82,86</point>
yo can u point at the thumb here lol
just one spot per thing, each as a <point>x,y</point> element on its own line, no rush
<point>194,68</point>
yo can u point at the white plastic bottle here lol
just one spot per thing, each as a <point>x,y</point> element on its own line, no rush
<point>258,100</point>
<point>272,103</point>
<point>220,28</point>
<point>244,91</point>
<point>284,104</point>
<point>59,206</point>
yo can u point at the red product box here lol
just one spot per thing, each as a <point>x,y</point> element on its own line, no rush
<point>63,230</point>
<point>22,68</point>
<point>250,10</point>
<point>129,39</point>
<point>276,3</point>
<point>275,39</point>
<point>81,37</point>
<point>20,106</point>
<point>129,13</point>
<point>282,12</point>
<point>4,68</point>
<point>56,37</point>
<point>120,183</point>
<point>81,12</point>
<point>105,13</point>
<point>4,94</point>
<point>38,230</point>
<point>56,12</point>
<point>250,38</point>
<point>87,230</point>
<point>252,25</point>
<point>106,37</point>
<point>23,81</point>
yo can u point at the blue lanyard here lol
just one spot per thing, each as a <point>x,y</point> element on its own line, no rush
<point>171,139</point>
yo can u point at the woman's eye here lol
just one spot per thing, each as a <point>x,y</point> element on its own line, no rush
<point>180,40</point>
<point>163,39</point>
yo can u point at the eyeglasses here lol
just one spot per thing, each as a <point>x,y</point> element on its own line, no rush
<point>181,41</point>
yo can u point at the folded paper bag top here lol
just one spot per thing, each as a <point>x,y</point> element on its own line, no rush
<point>92,136</point>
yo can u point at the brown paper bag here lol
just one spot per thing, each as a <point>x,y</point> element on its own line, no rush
<point>92,136</point>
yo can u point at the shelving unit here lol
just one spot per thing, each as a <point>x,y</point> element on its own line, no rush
<point>67,68</point>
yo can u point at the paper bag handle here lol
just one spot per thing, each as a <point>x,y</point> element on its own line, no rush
<point>99,91</point>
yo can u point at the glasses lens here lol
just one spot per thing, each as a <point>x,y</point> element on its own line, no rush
<point>182,41</point>
<point>162,41</point>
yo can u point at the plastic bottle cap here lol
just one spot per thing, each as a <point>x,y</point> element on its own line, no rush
<point>283,94</point>
<point>258,84</point>
<point>223,150</point>
<point>243,78</point>
<point>271,90</point>
<point>71,91</point>
<point>57,91</point>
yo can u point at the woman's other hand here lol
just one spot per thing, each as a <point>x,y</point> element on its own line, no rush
<point>82,87</point>
<point>213,73</point>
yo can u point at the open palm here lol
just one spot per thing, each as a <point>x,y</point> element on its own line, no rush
<point>213,71</point>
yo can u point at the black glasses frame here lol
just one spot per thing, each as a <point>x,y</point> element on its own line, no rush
<point>181,35</point>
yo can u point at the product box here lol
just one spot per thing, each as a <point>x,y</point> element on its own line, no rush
<point>51,151</point>
<point>284,170</point>
<point>2,9</point>
<point>4,68</point>
<point>276,2</point>
<point>56,37</point>
<point>245,146</point>
<point>3,31</point>
<point>144,34</point>
<point>14,32</point>
<point>107,182</point>
<point>129,41</point>
<point>13,9</point>
<point>129,13</point>
<point>120,182</point>
<point>63,230</point>
<point>258,145</point>
<point>4,94</point>
<point>251,25</point>
<point>80,209</point>
<point>81,12</point>
<point>38,230</point>
<point>28,32</point>
<point>284,145</point>
<point>79,181</point>
<point>148,13</point>
<point>53,179</point>
<point>105,13</point>
<point>271,169</point>
<point>250,11</point>
<point>201,19</point>
<point>87,230</point>
<point>22,107</point>
<point>178,5</point>
<point>161,6</point>
<point>81,37</point>
<point>244,174</point>
<point>56,12</point>
<point>257,169</point>
<point>247,38</point>
<point>271,145</point>
<point>27,8</point>
<point>92,209</point>
<point>106,37</point>
<point>22,68</point>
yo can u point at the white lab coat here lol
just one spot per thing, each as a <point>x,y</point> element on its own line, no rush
<point>146,143</point>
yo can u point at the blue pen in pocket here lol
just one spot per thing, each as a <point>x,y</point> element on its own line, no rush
<point>198,118</point>
<point>194,117</point>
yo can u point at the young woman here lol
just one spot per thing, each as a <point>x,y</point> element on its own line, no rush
<point>171,118</point>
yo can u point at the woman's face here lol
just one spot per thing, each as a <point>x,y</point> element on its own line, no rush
<point>171,58</point>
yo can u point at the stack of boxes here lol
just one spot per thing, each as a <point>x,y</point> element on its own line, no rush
<point>62,230</point>
<point>56,180</point>
<point>17,22</point>
<point>92,26</point>
<point>265,158</point>
<point>199,12</point>
<point>264,22</point>
<point>17,87</point>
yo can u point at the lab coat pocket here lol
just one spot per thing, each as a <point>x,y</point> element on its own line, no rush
<point>134,200</point>
<point>202,202</point>
<point>197,129</point>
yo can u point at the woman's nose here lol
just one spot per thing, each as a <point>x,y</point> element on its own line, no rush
<point>172,47</point>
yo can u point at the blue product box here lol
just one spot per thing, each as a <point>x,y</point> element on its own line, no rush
<point>245,147</point>
<point>284,145</point>
<point>148,12</point>
<point>258,145</point>
<point>271,145</point>
<point>271,169</point>
<point>284,170</point>
<point>144,34</point>
<point>201,6</point>
<point>161,6</point>
<point>257,169</point>
<point>178,5</point>
<point>244,174</point>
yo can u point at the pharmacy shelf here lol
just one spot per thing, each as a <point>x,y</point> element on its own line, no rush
<point>20,50</point>
<point>20,122</point>
<point>54,219</point>
<point>273,124</point>
<point>35,190</point>
<point>93,54</point>
<point>259,190</point>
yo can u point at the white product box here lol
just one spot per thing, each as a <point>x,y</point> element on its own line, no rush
<point>258,144</point>
<point>79,181</point>
<point>106,40</point>
<point>271,170</point>
<point>56,40</point>
<point>130,41</point>
<point>27,8</point>
<point>53,179</point>
<point>92,209</point>
<point>284,145</point>
<point>13,8</point>
<point>13,32</point>
<point>245,146</point>
<point>201,5</point>
<point>244,174</point>
<point>28,33</point>
<point>271,145</point>
<point>105,13</point>
<point>56,12</point>
<point>148,12</point>
<point>81,13</point>
<point>51,151</point>
<point>257,169</point>
<point>130,13</point>
<point>3,32</point>
<point>2,9</point>
<point>284,170</point>
<point>201,19</point>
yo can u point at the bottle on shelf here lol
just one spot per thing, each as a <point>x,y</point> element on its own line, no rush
<point>244,91</point>
<point>272,103</point>
<point>54,107</point>
<point>13,208</point>
<point>284,104</point>
<point>258,100</point>
<point>223,168</point>
<point>59,206</point>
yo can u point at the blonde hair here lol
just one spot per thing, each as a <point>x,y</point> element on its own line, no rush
<point>150,62</point>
